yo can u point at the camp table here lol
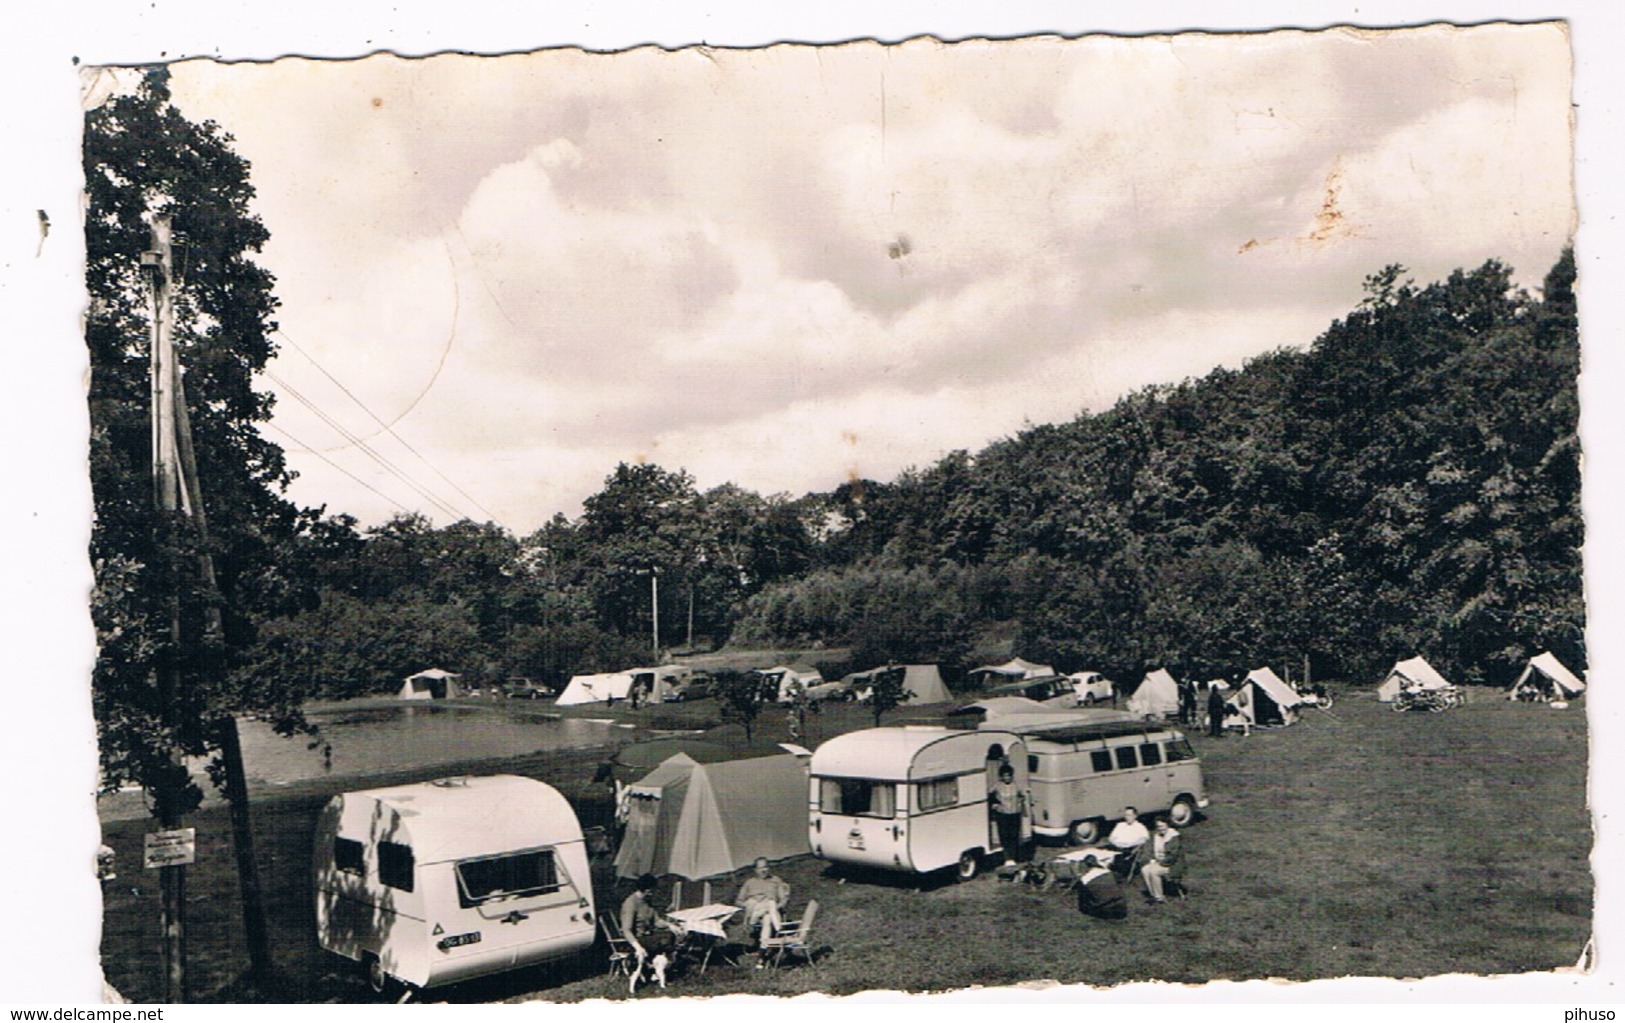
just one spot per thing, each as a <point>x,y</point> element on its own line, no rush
<point>703,930</point>
<point>1068,867</point>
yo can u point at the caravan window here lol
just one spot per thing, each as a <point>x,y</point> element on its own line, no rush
<point>1180,749</point>
<point>347,856</point>
<point>515,874</point>
<point>395,865</point>
<point>858,797</point>
<point>934,795</point>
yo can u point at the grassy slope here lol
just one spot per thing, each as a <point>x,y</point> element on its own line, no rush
<point>1369,843</point>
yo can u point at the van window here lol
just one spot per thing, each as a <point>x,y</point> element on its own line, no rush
<point>496,877</point>
<point>934,795</point>
<point>1126,758</point>
<point>347,856</point>
<point>395,866</point>
<point>858,797</point>
<point>1150,754</point>
<point>1179,749</point>
<point>1102,760</point>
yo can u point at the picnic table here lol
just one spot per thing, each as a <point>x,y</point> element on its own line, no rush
<point>703,931</point>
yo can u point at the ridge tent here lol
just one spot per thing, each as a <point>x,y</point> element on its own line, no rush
<point>923,680</point>
<point>778,683</point>
<point>700,820</point>
<point>596,689</point>
<point>1012,670</point>
<point>1545,678</point>
<point>1264,700</point>
<point>1415,673</point>
<point>1157,696</point>
<point>432,684</point>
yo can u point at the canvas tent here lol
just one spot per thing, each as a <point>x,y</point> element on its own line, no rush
<point>778,683</point>
<point>923,680</point>
<point>700,820</point>
<point>431,684</point>
<point>1264,700</point>
<point>1545,678</point>
<point>1157,696</point>
<point>1415,673</point>
<point>657,683</point>
<point>596,689</point>
<point>1012,670</point>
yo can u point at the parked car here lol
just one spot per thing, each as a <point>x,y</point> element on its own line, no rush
<point>1091,687</point>
<point>693,687</point>
<point>525,689</point>
<point>840,689</point>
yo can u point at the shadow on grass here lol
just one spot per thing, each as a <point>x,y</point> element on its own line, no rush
<point>896,880</point>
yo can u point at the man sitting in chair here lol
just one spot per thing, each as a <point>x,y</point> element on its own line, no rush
<point>1161,861</point>
<point>651,934</point>
<point>762,897</point>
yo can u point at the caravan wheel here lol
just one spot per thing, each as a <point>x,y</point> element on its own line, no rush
<point>378,979</point>
<point>969,863</point>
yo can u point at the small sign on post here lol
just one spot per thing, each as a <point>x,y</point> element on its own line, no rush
<point>170,848</point>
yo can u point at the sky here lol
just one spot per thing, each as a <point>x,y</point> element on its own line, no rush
<point>791,266</point>
<point>366,203</point>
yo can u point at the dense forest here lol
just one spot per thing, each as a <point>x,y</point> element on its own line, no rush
<point>1409,483</point>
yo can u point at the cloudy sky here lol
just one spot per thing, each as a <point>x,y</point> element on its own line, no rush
<point>788,266</point>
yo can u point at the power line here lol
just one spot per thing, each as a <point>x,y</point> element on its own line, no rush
<point>306,447</point>
<point>387,427</point>
<point>366,449</point>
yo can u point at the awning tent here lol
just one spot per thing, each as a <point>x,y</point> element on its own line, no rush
<point>1415,673</point>
<point>1012,670</point>
<point>596,689</point>
<point>701,820</point>
<point>432,684</point>
<point>1157,696</point>
<point>1264,700</point>
<point>1545,678</point>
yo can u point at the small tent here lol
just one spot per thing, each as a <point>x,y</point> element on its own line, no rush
<point>1415,673</point>
<point>596,689</point>
<point>1264,700</point>
<point>1545,678</point>
<point>778,684</point>
<point>1013,670</point>
<point>923,680</point>
<point>431,684</point>
<point>1157,696</point>
<point>700,820</point>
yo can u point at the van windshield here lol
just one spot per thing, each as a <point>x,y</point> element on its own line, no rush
<point>498,877</point>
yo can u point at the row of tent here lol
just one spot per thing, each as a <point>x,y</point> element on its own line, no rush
<point>1544,677</point>
<point>1262,699</point>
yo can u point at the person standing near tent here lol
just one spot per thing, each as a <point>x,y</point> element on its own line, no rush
<point>1008,805</point>
<point>1215,710</point>
<point>1187,703</point>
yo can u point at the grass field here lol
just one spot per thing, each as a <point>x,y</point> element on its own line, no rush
<point>1358,842</point>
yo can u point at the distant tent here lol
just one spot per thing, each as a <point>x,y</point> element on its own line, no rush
<point>596,689</point>
<point>1158,696</point>
<point>1545,678</point>
<point>923,680</point>
<point>778,684</point>
<point>432,684</point>
<point>1013,670</point>
<point>1415,673</point>
<point>1264,700</point>
<point>700,820</point>
<point>658,683</point>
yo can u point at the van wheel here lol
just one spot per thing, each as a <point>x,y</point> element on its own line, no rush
<point>1086,832</point>
<point>1182,812</point>
<point>969,864</point>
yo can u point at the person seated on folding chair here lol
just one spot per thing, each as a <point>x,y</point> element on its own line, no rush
<point>763,897</point>
<point>651,934</point>
<point>1161,861</point>
<point>1099,894</point>
<point>1125,840</point>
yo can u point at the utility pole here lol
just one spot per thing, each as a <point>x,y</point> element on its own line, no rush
<point>166,501</point>
<point>654,604</point>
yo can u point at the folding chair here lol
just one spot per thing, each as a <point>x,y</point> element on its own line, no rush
<point>792,937</point>
<point>626,957</point>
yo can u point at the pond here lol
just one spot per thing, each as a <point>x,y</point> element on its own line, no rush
<point>381,739</point>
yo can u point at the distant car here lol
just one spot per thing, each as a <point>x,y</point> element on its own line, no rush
<point>525,689</point>
<point>840,689</point>
<point>1043,689</point>
<point>694,687</point>
<point>1091,687</point>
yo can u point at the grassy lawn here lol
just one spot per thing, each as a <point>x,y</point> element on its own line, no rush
<point>1358,842</point>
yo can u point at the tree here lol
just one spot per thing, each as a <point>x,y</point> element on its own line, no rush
<point>887,692</point>
<point>739,695</point>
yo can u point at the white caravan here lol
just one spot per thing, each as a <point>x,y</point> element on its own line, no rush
<point>911,798</point>
<point>439,882</point>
